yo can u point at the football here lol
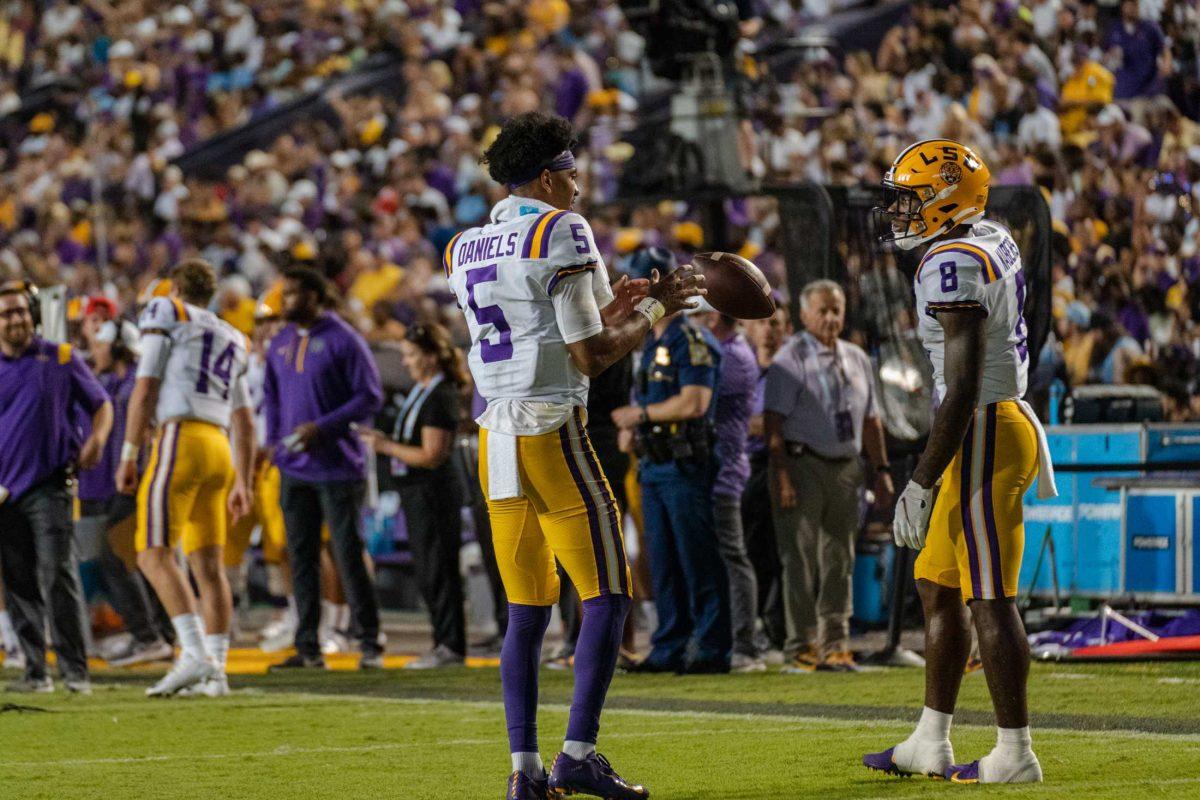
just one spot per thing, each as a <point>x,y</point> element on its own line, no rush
<point>735,286</point>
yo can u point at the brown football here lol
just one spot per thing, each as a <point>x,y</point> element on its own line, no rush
<point>735,286</point>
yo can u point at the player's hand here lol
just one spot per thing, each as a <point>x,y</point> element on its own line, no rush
<point>91,453</point>
<point>627,292</point>
<point>127,477</point>
<point>884,489</point>
<point>241,500</point>
<point>626,417</point>
<point>787,492</point>
<point>625,440</point>
<point>911,524</point>
<point>303,436</point>
<point>677,291</point>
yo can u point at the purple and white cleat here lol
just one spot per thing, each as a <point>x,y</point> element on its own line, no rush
<point>523,787</point>
<point>884,762</point>
<point>962,773</point>
<point>1021,770</point>
<point>593,776</point>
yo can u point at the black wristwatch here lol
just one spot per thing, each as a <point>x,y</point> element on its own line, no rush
<point>884,468</point>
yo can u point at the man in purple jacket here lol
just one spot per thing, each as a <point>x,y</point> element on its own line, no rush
<point>44,389</point>
<point>735,395</point>
<point>320,380</point>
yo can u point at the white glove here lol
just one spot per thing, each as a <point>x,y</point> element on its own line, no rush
<point>912,516</point>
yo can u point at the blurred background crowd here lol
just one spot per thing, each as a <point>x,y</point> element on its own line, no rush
<point>1094,103</point>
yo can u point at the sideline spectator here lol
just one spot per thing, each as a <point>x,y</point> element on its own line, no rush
<point>320,381</point>
<point>431,492</point>
<point>45,388</point>
<point>819,415</point>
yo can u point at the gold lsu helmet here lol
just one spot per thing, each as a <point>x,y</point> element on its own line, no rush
<point>932,187</point>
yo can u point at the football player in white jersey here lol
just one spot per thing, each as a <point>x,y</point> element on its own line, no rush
<point>543,318</point>
<point>191,384</point>
<point>984,450</point>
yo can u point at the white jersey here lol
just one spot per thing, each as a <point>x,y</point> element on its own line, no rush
<point>530,282</point>
<point>981,271</point>
<point>202,365</point>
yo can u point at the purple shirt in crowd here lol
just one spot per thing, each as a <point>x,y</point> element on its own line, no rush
<point>756,444</point>
<point>735,399</point>
<point>325,375</point>
<point>98,483</point>
<point>43,393</point>
<point>1140,48</point>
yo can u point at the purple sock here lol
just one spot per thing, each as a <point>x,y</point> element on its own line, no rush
<point>595,661</point>
<point>520,659</point>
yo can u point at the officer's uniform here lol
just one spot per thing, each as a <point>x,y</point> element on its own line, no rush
<point>677,467</point>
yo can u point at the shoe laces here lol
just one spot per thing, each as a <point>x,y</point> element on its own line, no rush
<point>607,770</point>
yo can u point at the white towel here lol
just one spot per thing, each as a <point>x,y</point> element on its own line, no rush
<point>504,480</point>
<point>1046,488</point>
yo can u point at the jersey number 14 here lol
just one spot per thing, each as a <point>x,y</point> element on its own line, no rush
<point>221,368</point>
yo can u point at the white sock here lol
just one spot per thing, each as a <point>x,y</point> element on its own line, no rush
<point>329,614</point>
<point>933,724</point>
<point>1012,758</point>
<point>530,764</point>
<point>578,750</point>
<point>291,614</point>
<point>189,632</point>
<point>342,619</point>
<point>217,646</point>
<point>928,750</point>
<point>8,634</point>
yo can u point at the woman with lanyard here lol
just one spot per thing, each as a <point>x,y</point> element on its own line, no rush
<point>430,489</point>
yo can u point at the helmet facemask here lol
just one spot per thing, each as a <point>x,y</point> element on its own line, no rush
<point>899,220</point>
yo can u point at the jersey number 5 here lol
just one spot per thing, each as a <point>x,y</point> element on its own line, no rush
<point>489,315</point>
<point>221,368</point>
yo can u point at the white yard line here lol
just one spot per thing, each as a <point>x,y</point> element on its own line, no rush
<point>775,722</point>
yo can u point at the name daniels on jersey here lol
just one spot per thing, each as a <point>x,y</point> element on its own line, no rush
<point>502,245</point>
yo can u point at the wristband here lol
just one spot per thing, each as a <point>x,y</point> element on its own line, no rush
<point>129,451</point>
<point>651,309</point>
<point>645,415</point>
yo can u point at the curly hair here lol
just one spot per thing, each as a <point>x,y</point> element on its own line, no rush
<point>525,143</point>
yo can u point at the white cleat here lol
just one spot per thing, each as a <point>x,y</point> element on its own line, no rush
<point>14,659</point>
<point>279,639</point>
<point>740,662</point>
<point>187,671</point>
<point>217,686</point>
<point>997,769</point>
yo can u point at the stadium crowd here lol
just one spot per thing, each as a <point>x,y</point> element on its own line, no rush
<point>1095,104</point>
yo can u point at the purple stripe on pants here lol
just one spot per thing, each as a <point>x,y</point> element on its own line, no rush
<point>564,437</point>
<point>610,502</point>
<point>989,511</point>
<point>965,504</point>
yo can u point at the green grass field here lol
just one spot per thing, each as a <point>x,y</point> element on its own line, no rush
<point>1113,731</point>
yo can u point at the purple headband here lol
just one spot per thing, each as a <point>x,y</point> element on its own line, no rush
<point>564,160</point>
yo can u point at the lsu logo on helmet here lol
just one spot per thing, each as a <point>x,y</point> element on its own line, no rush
<point>931,188</point>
